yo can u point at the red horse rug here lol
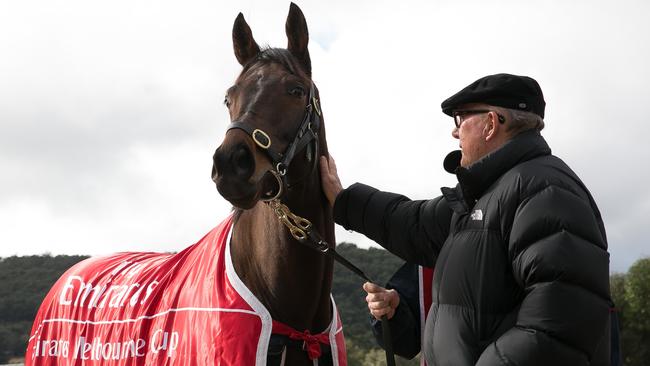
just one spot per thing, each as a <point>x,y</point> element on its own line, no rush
<point>188,308</point>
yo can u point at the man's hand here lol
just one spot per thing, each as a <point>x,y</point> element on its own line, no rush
<point>380,300</point>
<point>329,178</point>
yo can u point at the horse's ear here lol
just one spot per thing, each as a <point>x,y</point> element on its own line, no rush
<point>298,36</point>
<point>242,40</point>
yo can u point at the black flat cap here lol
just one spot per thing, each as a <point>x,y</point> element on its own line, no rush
<point>501,90</point>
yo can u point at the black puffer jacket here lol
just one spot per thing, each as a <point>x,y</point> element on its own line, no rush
<point>520,255</point>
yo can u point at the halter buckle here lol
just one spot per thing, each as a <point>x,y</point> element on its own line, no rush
<point>261,138</point>
<point>316,106</point>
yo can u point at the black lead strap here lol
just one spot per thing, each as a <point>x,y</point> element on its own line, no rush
<point>385,327</point>
<point>319,244</point>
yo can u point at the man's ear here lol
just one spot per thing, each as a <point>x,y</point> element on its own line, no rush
<point>493,128</point>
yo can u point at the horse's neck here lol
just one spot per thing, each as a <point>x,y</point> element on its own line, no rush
<point>290,279</point>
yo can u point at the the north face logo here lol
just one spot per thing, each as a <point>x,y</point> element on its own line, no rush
<point>477,215</point>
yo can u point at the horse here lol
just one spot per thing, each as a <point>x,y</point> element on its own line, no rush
<point>269,104</point>
<point>250,292</point>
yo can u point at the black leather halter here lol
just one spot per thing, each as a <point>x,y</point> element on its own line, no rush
<point>307,132</point>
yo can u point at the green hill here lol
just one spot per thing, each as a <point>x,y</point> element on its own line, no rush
<point>24,282</point>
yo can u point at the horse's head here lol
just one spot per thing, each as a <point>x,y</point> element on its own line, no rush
<point>275,117</point>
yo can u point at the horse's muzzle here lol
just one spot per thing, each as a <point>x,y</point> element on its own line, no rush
<point>233,172</point>
<point>236,162</point>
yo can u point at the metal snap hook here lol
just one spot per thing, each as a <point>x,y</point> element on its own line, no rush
<point>301,222</point>
<point>297,233</point>
<point>281,169</point>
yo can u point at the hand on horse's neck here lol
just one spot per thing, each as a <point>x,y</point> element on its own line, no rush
<point>290,279</point>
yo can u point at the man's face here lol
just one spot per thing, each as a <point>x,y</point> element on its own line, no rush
<point>471,132</point>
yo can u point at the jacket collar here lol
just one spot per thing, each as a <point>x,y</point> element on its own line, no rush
<point>476,178</point>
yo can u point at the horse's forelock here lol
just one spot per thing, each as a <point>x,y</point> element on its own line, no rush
<point>279,56</point>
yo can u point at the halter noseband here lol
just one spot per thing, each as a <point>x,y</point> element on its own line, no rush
<point>307,132</point>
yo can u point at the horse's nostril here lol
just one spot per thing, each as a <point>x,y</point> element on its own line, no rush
<point>242,161</point>
<point>217,163</point>
<point>237,162</point>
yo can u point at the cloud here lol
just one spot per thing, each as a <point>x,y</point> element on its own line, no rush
<point>110,112</point>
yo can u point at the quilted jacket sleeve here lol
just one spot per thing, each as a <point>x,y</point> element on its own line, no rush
<point>559,257</point>
<point>412,230</point>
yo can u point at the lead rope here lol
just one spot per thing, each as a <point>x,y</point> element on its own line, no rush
<point>300,229</point>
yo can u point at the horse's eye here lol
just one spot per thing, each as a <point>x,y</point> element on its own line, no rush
<point>226,101</point>
<point>297,91</point>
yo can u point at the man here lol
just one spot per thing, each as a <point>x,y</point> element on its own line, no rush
<point>518,246</point>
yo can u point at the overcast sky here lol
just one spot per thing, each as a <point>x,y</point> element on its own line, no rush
<point>110,111</point>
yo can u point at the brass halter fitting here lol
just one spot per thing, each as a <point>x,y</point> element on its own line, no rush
<point>298,226</point>
<point>278,194</point>
<point>316,106</point>
<point>261,138</point>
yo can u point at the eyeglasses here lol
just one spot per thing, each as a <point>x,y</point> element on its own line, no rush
<point>461,116</point>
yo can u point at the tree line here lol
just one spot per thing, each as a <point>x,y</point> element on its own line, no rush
<point>24,282</point>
